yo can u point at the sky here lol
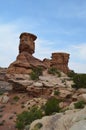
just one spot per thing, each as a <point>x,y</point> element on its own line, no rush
<point>60,26</point>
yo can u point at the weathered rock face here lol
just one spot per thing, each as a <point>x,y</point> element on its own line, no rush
<point>70,120</point>
<point>60,61</point>
<point>27,43</point>
<point>25,61</point>
<point>47,62</point>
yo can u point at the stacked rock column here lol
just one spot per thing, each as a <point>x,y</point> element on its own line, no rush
<point>60,61</point>
<point>27,43</point>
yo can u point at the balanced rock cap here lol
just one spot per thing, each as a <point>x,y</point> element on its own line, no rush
<point>34,37</point>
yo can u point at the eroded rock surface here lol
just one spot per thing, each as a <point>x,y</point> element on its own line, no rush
<point>25,61</point>
<point>70,120</point>
<point>60,61</point>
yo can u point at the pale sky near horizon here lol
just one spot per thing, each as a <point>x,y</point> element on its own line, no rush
<point>60,26</point>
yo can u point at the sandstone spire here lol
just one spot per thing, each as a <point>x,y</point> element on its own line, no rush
<point>27,43</point>
<point>25,61</point>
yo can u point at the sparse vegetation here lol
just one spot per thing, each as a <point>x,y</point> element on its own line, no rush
<point>34,75</point>
<point>51,106</point>
<point>16,98</point>
<point>1,93</point>
<point>56,92</point>
<point>79,80</point>
<point>54,71</point>
<point>1,116</point>
<point>26,117</point>
<point>79,104</point>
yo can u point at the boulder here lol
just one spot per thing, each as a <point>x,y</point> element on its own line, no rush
<point>80,125</point>
<point>70,120</point>
<point>5,86</point>
<point>64,93</point>
<point>20,85</point>
<point>5,98</point>
<point>37,84</point>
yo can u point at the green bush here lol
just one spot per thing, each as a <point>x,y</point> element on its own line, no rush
<point>1,93</point>
<point>54,71</point>
<point>79,104</point>
<point>51,106</point>
<point>71,74</point>
<point>34,75</point>
<point>56,92</point>
<point>16,98</point>
<point>79,80</point>
<point>26,117</point>
<point>1,116</point>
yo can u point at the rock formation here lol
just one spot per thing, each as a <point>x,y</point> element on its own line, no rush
<point>69,120</point>
<point>27,43</point>
<point>60,61</point>
<point>25,61</point>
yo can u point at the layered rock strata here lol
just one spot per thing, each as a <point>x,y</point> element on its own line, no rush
<point>25,61</point>
<point>60,61</point>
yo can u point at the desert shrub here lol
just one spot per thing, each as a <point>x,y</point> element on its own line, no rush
<point>1,116</point>
<point>1,93</point>
<point>36,72</point>
<point>26,117</point>
<point>79,104</point>
<point>51,106</point>
<point>79,80</point>
<point>16,98</point>
<point>56,92</point>
<point>34,76</point>
<point>54,71</point>
<point>71,74</point>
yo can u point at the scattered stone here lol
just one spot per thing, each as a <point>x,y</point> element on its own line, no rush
<point>5,99</point>
<point>37,84</point>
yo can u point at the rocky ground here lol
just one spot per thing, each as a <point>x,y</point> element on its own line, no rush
<point>22,93</point>
<point>10,106</point>
<point>69,120</point>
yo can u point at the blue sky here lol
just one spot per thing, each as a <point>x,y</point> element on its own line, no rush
<point>60,25</point>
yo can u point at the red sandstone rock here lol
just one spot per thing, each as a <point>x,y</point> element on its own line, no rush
<point>60,61</point>
<point>25,61</point>
<point>47,62</point>
<point>27,43</point>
